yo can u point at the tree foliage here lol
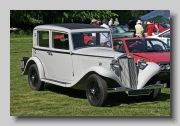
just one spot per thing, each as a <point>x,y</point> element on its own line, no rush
<point>27,19</point>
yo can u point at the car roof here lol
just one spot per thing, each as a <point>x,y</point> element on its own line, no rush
<point>72,26</point>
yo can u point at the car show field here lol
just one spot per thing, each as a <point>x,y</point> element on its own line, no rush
<point>59,101</point>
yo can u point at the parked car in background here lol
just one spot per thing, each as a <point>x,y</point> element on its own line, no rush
<point>151,49</point>
<point>163,36</point>
<point>94,67</point>
<point>163,27</point>
<point>118,31</point>
<point>126,28</point>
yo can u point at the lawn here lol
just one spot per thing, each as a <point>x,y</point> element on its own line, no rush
<point>58,101</point>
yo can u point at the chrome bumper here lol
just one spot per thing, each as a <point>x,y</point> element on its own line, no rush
<point>121,89</point>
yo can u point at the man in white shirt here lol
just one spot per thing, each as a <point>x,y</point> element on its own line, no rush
<point>104,36</point>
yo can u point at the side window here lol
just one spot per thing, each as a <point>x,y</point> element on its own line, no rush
<point>60,40</point>
<point>149,46</point>
<point>118,45</point>
<point>157,45</point>
<point>43,38</point>
<point>165,35</point>
<point>115,30</point>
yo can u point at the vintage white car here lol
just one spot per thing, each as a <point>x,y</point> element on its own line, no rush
<point>163,36</point>
<point>81,56</point>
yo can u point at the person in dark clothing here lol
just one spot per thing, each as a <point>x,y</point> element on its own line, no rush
<point>144,27</point>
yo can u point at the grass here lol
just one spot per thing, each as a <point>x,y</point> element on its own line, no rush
<point>58,101</point>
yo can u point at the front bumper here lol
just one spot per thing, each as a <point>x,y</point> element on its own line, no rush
<point>122,89</point>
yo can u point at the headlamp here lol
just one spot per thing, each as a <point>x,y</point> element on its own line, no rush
<point>167,67</point>
<point>163,67</point>
<point>114,62</point>
<point>141,63</point>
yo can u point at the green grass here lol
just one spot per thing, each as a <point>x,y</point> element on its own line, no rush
<point>58,101</point>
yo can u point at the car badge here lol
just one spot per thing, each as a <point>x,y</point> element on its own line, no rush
<point>100,64</point>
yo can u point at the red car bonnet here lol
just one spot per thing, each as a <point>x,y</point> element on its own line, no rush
<point>153,56</point>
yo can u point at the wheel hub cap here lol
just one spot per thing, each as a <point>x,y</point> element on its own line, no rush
<point>92,91</point>
<point>33,78</point>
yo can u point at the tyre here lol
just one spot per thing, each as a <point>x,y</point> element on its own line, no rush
<point>154,93</point>
<point>33,77</point>
<point>96,90</point>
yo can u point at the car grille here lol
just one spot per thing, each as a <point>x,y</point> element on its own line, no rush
<point>128,73</point>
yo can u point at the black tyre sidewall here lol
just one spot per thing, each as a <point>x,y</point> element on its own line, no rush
<point>40,84</point>
<point>103,90</point>
<point>154,94</point>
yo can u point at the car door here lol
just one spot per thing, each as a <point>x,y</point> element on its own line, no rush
<point>42,51</point>
<point>165,37</point>
<point>62,66</point>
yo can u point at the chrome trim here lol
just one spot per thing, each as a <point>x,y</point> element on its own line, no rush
<point>121,89</point>
<point>125,55</point>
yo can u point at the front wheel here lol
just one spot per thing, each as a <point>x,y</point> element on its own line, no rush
<point>33,77</point>
<point>154,93</point>
<point>96,90</point>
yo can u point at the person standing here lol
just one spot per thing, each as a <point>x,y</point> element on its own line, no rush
<point>110,23</point>
<point>104,24</point>
<point>156,27</point>
<point>104,36</point>
<point>98,22</point>
<point>93,22</point>
<point>116,22</point>
<point>144,27</point>
<point>150,28</point>
<point>139,29</point>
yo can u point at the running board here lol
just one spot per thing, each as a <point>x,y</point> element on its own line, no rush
<point>55,82</point>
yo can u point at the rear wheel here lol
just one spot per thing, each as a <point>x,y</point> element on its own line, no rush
<point>33,77</point>
<point>96,90</point>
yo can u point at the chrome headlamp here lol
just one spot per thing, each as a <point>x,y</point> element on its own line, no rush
<point>141,63</point>
<point>163,67</point>
<point>114,62</point>
<point>167,67</point>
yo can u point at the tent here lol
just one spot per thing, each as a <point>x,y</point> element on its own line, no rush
<point>164,13</point>
<point>160,19</point>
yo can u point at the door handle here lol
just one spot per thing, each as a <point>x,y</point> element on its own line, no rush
<point>49,52</point>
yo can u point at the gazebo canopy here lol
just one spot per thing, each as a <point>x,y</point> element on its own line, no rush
<point>160,19</point>
<point>164,13</point>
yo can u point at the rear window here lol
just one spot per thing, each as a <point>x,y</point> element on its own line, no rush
<point>43,38</point>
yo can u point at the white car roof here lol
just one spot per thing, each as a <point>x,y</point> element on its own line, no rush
<point>72,27</point>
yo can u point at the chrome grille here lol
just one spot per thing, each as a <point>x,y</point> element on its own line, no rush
<point>128,73</point>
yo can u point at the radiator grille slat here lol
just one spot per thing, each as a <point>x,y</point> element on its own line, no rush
<point>128,73</point>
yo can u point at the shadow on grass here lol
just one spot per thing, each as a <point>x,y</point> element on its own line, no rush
<point>65,91</point>
<point>114,99</point>
<point>122,98</point>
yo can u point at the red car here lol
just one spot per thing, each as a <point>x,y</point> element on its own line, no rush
<point>162,27</point>
<point>87,38</point>
<point>151,49</point>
